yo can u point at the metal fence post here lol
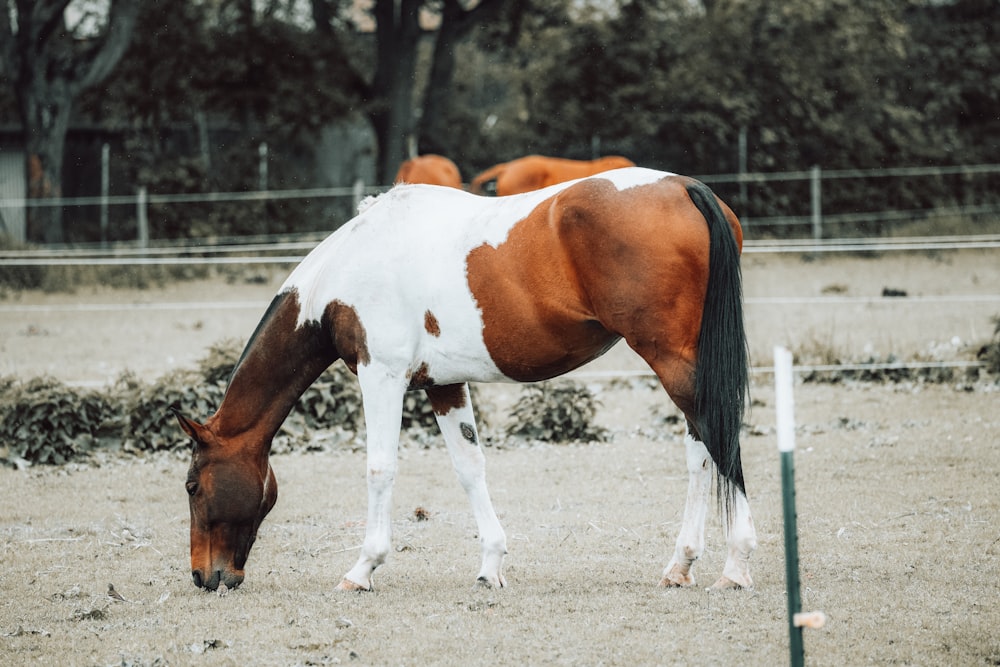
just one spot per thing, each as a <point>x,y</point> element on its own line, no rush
<point>816,196</point>
<point>105,184</point>
<point>358,192</point>
<point>742,164</point>
<point>141,203</point>
<point>262,166</point>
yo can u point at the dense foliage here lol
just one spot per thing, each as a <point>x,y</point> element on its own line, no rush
<point>44,421</point>
<point>47,421</point>
<point>557,412</point>
<point>670,83</point>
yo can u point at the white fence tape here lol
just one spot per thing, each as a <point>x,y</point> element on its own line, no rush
<point>181,254</point>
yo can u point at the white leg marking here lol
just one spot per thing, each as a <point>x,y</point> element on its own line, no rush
<point>459,429</point>
<point>382,397</point>
<point>741,538</point>
<point>691,538</point>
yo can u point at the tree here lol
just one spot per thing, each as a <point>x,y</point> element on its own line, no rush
<point>397,31</point>
<point>390,96</point>
<point>951,74</point>
<point>49,66</point>
<point>456,24</point>
<point>604,86</point>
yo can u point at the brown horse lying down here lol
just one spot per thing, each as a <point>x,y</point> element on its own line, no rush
<point>429,169</point>
<point>535,172</point>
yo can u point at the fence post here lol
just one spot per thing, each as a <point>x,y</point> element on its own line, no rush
<point>105,182</point>
<point>262,166</point>
<point>742,164</point>
<point>783,383</point>
<point>816,196</point>
<point>359,192</point>
<point>206,154</point>
<point>141,201</point>
<point>784,404</point>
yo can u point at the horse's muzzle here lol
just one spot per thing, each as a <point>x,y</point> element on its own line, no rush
<point>231,580</point>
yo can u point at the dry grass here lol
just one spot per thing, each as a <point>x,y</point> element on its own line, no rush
<point>896,494</point>
<point>897,519</point>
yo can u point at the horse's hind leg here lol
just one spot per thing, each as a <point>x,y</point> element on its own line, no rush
<point>741,540</point>
<point>741,537</point>
<point>691,538</point>
<point>738,527</point>
<point>453,408</point>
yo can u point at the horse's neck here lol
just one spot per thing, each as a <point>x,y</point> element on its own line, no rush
<point>279,363</point>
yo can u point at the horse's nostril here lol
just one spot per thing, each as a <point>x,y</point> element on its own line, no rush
<point>211,583</point>
<point>232,580</point>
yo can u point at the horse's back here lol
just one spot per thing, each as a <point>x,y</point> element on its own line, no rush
<point>570,268</point>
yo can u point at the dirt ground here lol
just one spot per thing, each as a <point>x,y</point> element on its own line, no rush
<point>897,503</point>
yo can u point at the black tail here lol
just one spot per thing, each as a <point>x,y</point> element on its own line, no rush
<point>722,375</point>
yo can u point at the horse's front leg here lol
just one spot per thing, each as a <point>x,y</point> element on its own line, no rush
<point>382,397</point>
<point>453,408</point>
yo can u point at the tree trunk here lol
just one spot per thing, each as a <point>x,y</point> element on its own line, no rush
<point>49,68</point>
<point>433,126</point>
<point>48,116</point>
<point>397,33</point>
<point>456,23</point>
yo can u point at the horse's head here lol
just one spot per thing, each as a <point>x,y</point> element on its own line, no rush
<point>230,492</point>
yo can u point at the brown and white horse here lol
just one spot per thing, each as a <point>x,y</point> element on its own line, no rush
<point>430,169</point>
<point>534,172</point>
<point>429,288</point>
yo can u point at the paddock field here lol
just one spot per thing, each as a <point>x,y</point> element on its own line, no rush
<point>897,500</point>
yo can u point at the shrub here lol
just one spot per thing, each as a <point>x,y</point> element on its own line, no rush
<point>989,353</point>
<point>149,422</point>
<point>333,400</point>
<point>46,421</point>
<point>417,411</point>
<point>218,363</point>
<point>19,277</point>
<point>556,413</point>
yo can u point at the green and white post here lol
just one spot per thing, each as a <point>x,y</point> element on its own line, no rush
<point>785,408</point>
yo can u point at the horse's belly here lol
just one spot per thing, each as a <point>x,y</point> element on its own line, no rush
<point>533,353</point>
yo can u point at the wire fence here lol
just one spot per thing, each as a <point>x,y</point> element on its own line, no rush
<point>976,190</point>
<point>289,249</point>
<point>293,251</point>
<point>229,254</point>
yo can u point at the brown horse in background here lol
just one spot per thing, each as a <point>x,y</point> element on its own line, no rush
<point>535,172</point>
<point>430,169</point>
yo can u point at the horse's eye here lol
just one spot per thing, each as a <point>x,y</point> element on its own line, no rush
<point>192,488</point>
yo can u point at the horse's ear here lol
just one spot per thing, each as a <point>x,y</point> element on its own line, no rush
<point>194,430</point>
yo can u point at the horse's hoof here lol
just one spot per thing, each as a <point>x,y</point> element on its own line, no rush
<point>348,585</point>
<point>674,578</point>
<point>485,582</point>
<point>726,584</point>
<point>666,582</point>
